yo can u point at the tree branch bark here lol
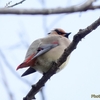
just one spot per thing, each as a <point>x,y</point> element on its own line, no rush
<point>77,8</point>
<point>58,10</point>
<point>46,11</point>
<point>77,38</point>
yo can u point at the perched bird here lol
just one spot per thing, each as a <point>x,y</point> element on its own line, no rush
<point>42,52</point>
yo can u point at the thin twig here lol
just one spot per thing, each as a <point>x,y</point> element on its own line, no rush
<point>77,38</point>
<point>4,78</point>
<point>9,6</point>
<point>42,94</point>
<point>8,3</point>
<point>11,69</point>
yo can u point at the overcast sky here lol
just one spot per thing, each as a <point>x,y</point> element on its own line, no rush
<point>78,80</point>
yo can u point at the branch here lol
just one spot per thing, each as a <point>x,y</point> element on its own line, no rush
<point>6,85</point>
<point>7,5</point>
<point>77,38</point>
<point>77,8</point>
<point>11,68</point>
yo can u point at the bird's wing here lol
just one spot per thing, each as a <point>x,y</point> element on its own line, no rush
<point>43,48</point>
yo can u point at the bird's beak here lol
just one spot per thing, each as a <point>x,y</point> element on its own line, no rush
<point>67,34</point>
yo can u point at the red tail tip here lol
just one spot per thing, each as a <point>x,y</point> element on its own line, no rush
<point>23,65</point>
<point>18,67</point>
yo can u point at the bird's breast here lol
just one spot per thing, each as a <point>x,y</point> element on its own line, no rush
<point>44,61</point>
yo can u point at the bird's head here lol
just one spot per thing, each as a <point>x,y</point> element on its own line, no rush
<point>61,32</point>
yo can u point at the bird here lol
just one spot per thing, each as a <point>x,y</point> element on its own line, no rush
<point>42,52</point>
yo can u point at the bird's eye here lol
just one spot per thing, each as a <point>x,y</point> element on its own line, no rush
<point>60,33</point>
<point>48,33</point>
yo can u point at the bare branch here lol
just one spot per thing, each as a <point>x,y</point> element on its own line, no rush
<point>77,8</point>
<point>77,38</point>
<point>85,5</point>
<point>10,94</point>
<point>11,69</point>
<point>42,94</point>
<point>94,7</point>
<point>7,5</point>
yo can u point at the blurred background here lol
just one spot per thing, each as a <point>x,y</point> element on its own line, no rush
<point>81,77</point>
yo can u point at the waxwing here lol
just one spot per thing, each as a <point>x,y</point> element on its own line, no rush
<point>42,52</point>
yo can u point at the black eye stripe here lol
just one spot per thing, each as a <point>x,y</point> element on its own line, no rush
<point>48,33</point>
<point>59,32</point>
